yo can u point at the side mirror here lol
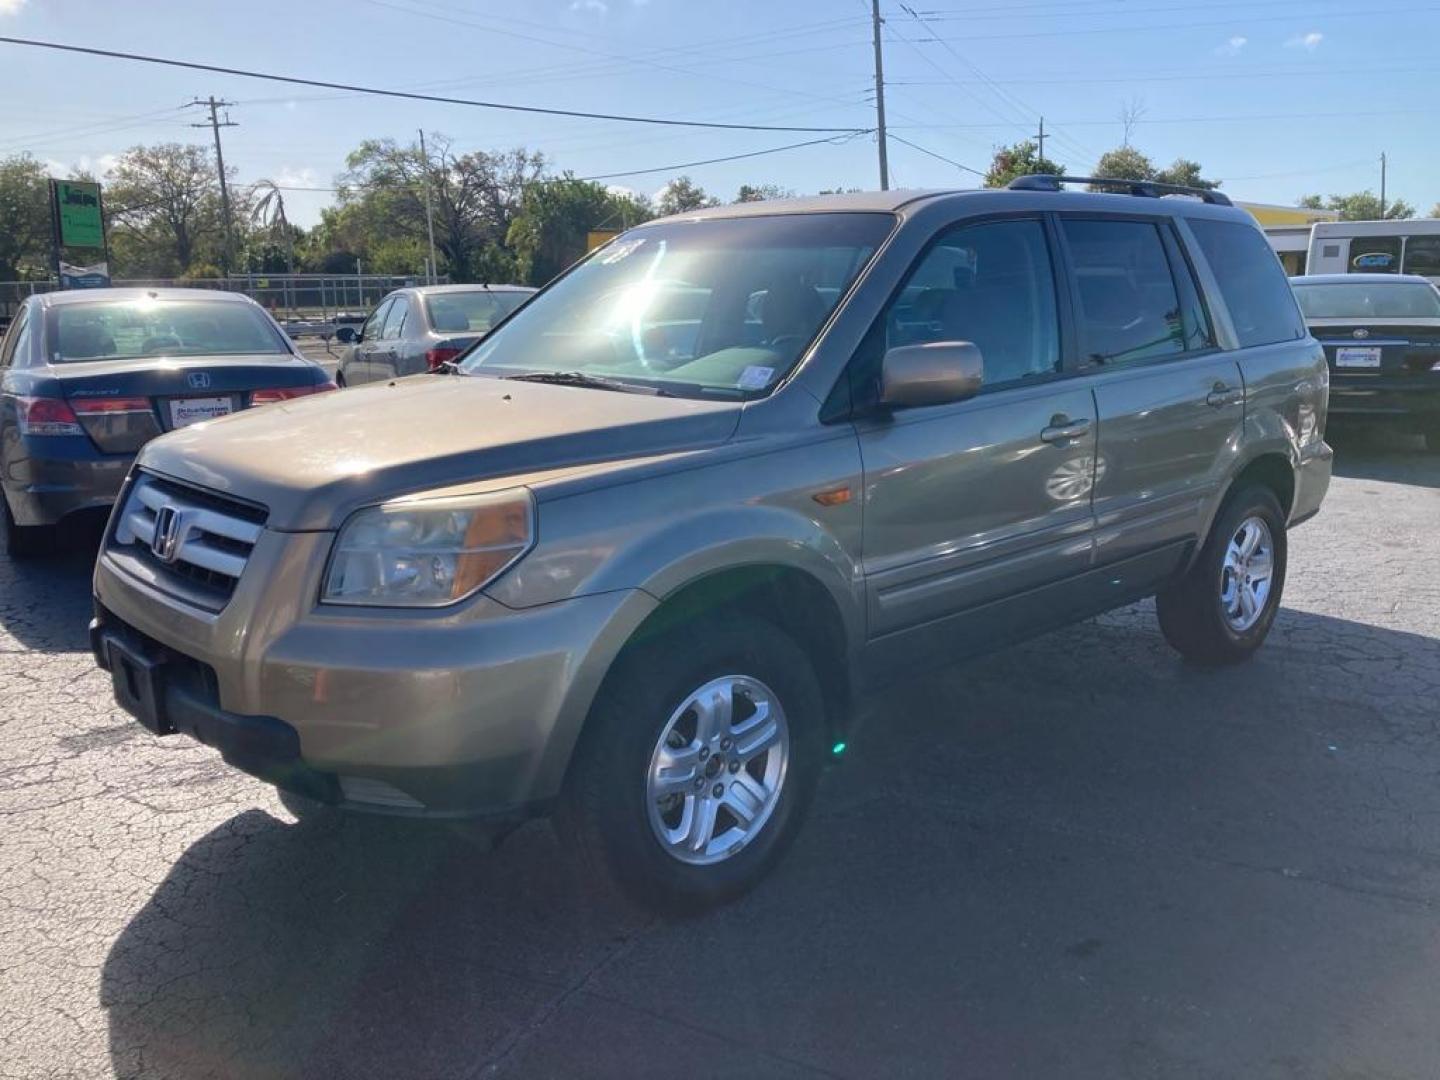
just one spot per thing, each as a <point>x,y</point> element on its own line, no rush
<point>346,335</point>
<point>935,373</point>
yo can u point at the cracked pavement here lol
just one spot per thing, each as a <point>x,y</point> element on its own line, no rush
<point>1075,857</point>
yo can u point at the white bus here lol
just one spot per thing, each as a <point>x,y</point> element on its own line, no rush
<point>1375,247</point>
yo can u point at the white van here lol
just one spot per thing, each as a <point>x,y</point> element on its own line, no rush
<point>1375,247</point>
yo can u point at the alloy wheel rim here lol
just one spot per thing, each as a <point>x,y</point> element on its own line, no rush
<point>1247,574</point>
<point>718,769</point>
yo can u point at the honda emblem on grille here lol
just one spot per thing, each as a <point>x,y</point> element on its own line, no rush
<point>199,380</point>
<point>165,543</point>
<point>1362,333</point>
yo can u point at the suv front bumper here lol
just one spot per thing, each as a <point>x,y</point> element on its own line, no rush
<point>472,711</point>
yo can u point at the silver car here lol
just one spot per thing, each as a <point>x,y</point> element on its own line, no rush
<point>634,562</point>
<point>417,330</point>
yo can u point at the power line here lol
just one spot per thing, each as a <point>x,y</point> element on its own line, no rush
<point>1222,119</point>
<point>994,87</point>
<point>932,153</point>
<point>731,157</point>
<point>413,96</point>
<point>1122,29</point>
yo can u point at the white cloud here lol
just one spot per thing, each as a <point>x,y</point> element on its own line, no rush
<point>599,7</point>
<point>1309,42</point>
<point>288,176</point>
<point>1232,46</point>
<point>11,7</point>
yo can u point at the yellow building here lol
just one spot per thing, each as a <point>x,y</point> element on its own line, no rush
<point>1288,230</point>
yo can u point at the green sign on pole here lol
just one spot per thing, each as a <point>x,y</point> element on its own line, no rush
<point>77,205</point>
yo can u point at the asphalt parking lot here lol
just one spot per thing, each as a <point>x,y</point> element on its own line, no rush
<point>1074,858</point>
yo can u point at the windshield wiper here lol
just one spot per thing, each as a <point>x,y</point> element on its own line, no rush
<point>447,367</point>
<point>594,382</point>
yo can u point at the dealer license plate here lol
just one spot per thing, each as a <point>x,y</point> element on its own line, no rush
<point>1350,356</point>
<point>186,411</point>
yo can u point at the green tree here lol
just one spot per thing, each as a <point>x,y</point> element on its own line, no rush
<point>1021,159</point>
<point>556,216</point>
<point>682,195</point>
<point>1125,163</point>
<point>164,207</point>
<point>1435,211</point>
<point>474,197</point>
<point>24,218</point>
<point>1186,173</point>
<point>761,192</point>
<point>1360,206</point>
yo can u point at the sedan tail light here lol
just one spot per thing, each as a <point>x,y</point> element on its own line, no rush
<point>110,406</point>
<point>435,357</point>
<point>285,393</point>
<point>46,416</point>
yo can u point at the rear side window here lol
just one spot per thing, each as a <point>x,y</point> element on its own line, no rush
<point>17,340</point>
<point>1375,255</point>
<point>1129,307</point>
<point>1422,255</point>
<point>1252,282</point>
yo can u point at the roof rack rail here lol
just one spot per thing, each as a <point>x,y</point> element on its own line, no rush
<point>1149,189</point>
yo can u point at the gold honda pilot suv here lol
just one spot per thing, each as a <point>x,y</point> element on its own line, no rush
<point>632,557</point>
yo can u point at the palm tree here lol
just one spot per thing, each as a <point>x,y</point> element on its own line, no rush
<point>269,216</point>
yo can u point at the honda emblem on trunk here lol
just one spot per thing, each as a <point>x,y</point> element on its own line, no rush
<point>1362,333</point>
<point>165,543</point>
<point>199,380</point>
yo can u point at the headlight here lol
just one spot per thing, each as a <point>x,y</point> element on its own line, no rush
<point>428,552</point>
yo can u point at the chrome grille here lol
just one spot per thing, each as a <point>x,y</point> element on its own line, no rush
<point>210,537</point>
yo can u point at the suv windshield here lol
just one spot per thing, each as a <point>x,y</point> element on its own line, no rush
<point>725,306</point>
<point>120,329</point>
<point>1377,300</point>
<point>469,312</point>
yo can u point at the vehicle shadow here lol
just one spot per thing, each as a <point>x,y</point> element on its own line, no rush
<point>45,602</point>
<point>1119,799</point>
<point>1371,453</point>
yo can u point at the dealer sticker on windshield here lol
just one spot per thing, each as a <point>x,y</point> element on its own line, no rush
<point>755,378</point>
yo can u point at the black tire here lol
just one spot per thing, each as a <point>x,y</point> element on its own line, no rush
<point>1192,617</point>
<point>606,823</point>
<point>24,541</point>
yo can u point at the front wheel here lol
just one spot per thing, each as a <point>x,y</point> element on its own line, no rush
<point>1223,608</point>
<point>697,765</point>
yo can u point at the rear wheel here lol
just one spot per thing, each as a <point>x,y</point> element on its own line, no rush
<point>1223,608</point>
<point>697,765</point>
<point>24,541</point>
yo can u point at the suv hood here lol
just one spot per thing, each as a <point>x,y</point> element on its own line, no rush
<point>314,460</point>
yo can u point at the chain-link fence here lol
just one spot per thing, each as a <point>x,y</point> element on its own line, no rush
<point>305,298</point>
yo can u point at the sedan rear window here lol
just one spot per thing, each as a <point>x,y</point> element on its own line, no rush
<point>1370,300</point>
<point>470,312</point>
<point>124,329</point>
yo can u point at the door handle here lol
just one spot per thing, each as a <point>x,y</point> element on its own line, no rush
<point>1063,429</point>
<point>1223,395</point>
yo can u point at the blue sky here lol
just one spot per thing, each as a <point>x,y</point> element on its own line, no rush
<point>1275,97</point>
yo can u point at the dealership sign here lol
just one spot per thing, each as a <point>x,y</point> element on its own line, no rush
<point>77,208</point>
<point>84,277</point>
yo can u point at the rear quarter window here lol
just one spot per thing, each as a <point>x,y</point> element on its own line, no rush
<point>1252,282</point>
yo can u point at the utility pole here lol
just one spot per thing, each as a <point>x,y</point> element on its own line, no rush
<point>429,216</point>
<point>215,124</point>
<point>875,21</point>
<point>1382,187</point>
<point>1040,154</point>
